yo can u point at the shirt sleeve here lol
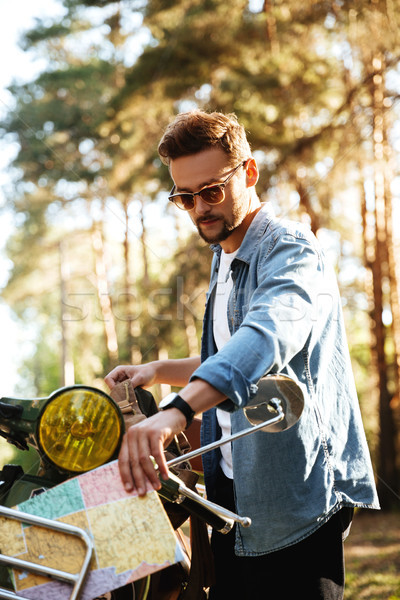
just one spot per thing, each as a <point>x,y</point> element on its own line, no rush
<point>277,321</point>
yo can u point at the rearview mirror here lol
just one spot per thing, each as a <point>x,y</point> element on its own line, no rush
<point>275,391</point>
<point>277,406</point>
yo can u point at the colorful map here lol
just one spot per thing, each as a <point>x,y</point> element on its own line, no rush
<point>132,536</point>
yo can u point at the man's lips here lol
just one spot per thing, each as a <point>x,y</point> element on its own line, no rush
<point>208,222</point>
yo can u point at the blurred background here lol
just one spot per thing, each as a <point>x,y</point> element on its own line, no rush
<point>96,269</point>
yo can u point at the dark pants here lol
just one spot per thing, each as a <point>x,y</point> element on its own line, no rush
<point>312,569</point>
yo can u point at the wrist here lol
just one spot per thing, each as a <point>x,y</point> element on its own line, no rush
<point>158,367</point>
<point>162,369</point>
<point>176,401</point>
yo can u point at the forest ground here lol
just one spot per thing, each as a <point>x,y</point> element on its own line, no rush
<point>372,553</point>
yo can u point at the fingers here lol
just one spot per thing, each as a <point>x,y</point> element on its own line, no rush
<point>159,456</point>
<point>143,442</point>
<point>143,375</point>
<point>117,375</point>
<point>124,466</point>
<point>138,472</point>
<point>136,468</point>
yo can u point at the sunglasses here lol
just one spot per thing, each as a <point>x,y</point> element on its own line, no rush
<point>213,194</point>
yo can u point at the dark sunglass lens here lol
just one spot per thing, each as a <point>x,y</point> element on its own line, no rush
<point>213,194</point>
<point>186,201</point>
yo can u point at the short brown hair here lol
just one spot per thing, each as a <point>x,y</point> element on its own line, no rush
<point>194,131</point>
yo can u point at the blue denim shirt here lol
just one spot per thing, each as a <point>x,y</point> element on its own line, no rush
<point>285,316</point>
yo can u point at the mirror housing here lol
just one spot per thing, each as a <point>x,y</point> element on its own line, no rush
<point>275,391</point>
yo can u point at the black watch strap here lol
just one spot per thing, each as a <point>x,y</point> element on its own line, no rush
<point>180,404</point>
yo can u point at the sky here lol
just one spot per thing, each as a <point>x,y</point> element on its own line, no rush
<point>15,17</point>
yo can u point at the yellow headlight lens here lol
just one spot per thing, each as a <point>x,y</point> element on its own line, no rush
<point>80,429</point>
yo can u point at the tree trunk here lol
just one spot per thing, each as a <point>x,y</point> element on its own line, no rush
<point>271,26</point>
<point>127,304</point>
<point>67,363</point>
<point>387,475</point>
<point>306,204</point>
<point>163,389</point>
<point>143,239</point>
<point>104,297</point>
<point>393,251</point>
<point>191,333</point>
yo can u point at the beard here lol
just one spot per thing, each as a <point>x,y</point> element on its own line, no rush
<point>216,237</point>
<point>225,227</point>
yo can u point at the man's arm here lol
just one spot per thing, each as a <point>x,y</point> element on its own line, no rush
<point>173,372</point>
<point>149,437</point>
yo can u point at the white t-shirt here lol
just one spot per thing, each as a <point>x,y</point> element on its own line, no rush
<point>221,336</point>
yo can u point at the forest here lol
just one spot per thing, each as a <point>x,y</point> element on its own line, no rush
<point>106,271</point>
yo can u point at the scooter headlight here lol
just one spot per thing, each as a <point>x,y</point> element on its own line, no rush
<point>80,429</point>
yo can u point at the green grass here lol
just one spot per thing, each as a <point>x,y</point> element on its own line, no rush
<point>373,557</point>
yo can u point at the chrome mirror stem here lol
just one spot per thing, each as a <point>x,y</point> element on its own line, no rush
<point>275,404</point>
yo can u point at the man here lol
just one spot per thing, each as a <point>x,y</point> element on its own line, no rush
<point>273,307</point>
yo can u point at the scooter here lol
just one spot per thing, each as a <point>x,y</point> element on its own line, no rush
<point>79,428</point>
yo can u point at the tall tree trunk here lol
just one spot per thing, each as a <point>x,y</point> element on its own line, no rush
<point>136,327</point>
<point>271,26</point>
<point>127,304</point>
<point>104,297</point>
<point>393,251</point>
<point>164,388</point>
<point>143,240</point>
<point>387,484</point>
<point>191,333</point>
<point>67,363</point>
<point>306,204</point>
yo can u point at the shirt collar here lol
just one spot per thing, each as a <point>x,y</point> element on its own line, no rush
<point>253,234</point>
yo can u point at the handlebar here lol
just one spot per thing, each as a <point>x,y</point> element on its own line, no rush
<point>218,517</point>
<point>275,403</point>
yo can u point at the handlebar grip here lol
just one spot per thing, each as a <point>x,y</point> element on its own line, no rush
<point>218,517</point>
<point>196,509</point>
<point>170,491</point>
<point>10,411</point>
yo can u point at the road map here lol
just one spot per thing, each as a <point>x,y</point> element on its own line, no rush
<point>132,536</point>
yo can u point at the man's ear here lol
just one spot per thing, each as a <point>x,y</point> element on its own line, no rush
<point>251,172</point>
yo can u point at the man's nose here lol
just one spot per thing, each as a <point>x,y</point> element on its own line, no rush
<point>200,207</point>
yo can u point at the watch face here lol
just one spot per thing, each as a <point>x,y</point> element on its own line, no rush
<point>167,400</point>
<point>177,402</point>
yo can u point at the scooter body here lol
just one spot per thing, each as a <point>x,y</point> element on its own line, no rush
<point>79,428</point>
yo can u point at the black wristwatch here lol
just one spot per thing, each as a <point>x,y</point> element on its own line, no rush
<point>175,401</point>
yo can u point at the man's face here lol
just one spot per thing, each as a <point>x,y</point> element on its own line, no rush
<point>223,221</point>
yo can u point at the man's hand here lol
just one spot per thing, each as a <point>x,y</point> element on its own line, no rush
<point>149,437</point>
<point>145,440</point>
<point>140,375</point>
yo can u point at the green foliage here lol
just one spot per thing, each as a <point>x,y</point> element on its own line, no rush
<point>43,33</point>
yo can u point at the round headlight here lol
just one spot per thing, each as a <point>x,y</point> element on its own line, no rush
<point>80,429</point>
